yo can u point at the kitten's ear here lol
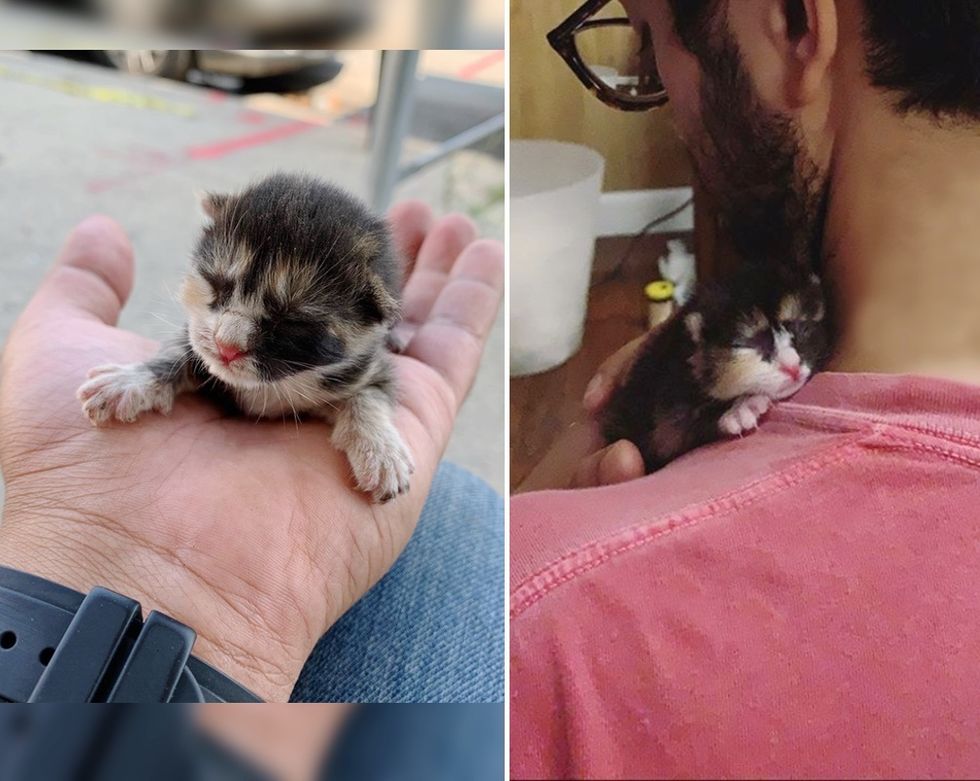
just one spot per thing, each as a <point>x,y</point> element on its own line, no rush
<point>383,306</point>
<point>372,250</point>
<point>695,324</point>
<point>212,204</point>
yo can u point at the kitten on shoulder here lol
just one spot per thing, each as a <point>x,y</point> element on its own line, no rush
<point>719,364</point>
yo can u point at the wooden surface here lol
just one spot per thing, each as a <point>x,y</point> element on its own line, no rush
<point>547,101</point>
<point>543,406</point>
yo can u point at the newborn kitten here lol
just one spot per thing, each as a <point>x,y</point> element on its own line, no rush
<point>718,365</point>
<point>292,291</point>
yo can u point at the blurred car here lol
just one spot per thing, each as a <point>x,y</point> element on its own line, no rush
<point>244,63</point>
<point>265,23</point>
<point>261,21</point>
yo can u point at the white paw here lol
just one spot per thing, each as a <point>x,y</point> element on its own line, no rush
<point>744,414</point>
<point>123,393</point>
<point>382,465</point>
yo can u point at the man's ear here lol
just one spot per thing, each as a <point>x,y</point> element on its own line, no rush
<point>809,29</point>
<point>212,204</point>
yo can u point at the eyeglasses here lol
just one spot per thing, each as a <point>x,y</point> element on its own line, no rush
<point>610,57</point>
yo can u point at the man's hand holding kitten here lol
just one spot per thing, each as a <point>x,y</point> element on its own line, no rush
<point>247,531</point>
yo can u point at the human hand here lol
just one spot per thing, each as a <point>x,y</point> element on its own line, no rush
<point>580,458</point>
<point>285,742</point>
<point>621,461</point>
<point>249,532</point>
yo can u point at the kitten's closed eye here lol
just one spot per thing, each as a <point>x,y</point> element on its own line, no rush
<point>801,328</point>
<point>221,289</point>
<point>762,341</point>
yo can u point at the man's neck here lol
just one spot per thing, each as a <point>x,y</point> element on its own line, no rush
<point>903,247</point>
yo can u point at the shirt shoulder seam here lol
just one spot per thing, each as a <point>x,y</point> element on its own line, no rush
<point>845,420</point>
<point>597,552</point>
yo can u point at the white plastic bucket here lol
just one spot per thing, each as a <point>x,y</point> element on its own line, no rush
<point>554,211</point>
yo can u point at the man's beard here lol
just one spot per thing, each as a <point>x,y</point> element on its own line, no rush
<point>768,190</point>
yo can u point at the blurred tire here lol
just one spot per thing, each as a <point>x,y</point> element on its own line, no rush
<point>168,64</point>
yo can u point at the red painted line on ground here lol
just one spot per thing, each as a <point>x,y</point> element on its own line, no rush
<point>154,162</point>
<point>249,117</point>
<point>226,147</point>
<point>97,186</point>
<point>469,71</point>
<point>356,118</point>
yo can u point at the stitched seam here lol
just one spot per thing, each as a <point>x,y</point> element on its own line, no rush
<point>731,495</point>
<point>906,444</point>
<point>817,424</point>
<point>801,411</point>
<point>783,481</point>
<point>642,533</point>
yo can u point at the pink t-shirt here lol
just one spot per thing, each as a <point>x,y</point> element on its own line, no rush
<point>803,602</point>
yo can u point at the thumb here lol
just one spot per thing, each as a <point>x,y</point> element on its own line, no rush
<point>92,277</point>
<point>617,463</point>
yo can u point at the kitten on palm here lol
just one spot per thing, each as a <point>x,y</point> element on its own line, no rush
<point>292,292</point>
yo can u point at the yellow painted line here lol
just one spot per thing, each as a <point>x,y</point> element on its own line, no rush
<point>102,94</point>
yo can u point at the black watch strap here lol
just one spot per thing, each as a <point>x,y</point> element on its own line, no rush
<point>58,645</point>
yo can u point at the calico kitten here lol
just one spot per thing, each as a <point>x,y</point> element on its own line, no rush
<point>292,291</point>
<point>719,364</point>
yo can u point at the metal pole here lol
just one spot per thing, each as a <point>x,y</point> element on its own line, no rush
<point>464,140</point>
<point>443,25</point>
<point>396,86</point>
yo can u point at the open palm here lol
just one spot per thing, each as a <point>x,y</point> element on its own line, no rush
<point>248,531</point>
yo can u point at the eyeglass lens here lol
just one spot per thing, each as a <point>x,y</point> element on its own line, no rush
<point>618,55</point>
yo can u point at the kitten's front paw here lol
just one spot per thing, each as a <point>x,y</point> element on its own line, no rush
<point>744,414</point>
<point>381,464</point>
<point>123,393</point>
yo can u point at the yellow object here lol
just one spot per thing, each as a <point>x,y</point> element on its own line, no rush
<point>660,291</point>
<point>660,294</point>
<point>100,93</point>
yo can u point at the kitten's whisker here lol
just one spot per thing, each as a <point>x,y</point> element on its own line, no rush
<point>171,294</point>
<point>289,401</point>
<point>265,402</point>
<point>301,365</point>
<point>178,367</point>
<point>281,399</point>
<point>304,397</point>
<point>162,319</point>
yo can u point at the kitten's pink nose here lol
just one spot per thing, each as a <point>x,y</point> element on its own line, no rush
<point>791,370</point>
<point>228,352</point>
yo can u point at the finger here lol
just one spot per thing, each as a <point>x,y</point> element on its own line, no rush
<point>93,275</point>
<point>452,338</point>
<point>617,463</point>
<point>442,246</point>
<point>609,374</point>
<point>621,464</point>
<point>556,468</point>
<point>410,221</point>
<point>444,242</point>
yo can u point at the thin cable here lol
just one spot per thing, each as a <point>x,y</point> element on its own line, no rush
<point>614,271</point>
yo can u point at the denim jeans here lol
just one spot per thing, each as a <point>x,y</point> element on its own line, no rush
<point>432,629</point>
<point>420,743</point>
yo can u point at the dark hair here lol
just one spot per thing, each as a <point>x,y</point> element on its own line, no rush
<point>925,51</point>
